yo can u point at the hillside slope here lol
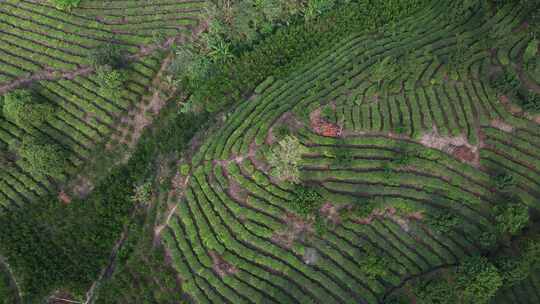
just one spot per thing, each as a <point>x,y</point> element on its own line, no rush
<point>403,122</point>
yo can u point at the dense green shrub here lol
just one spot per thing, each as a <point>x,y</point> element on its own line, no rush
<point>142,193</point>
<point>108,54</point>
<point>306,201</point>
<point>512,218</point>
<point>504,181</point>
<point>506,82</point>
<point>530,102</point>
<point>477,280</point>
<point>375,263</point>
<point>65,4</point>
<point>23,108</point>
<point>434,291</point>
<point>7,294</point>
<point>442,221</point>
<point>516,266</point>
<point>42,156</point>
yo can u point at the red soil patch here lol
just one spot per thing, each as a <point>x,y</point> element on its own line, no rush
<point>464,153</point>
<point>457,146</point>
<point>220,266</point>
<point>322,127</point>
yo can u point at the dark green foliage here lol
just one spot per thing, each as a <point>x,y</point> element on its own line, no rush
<point>530,102</point>
<point>517,265</point>
<point>487,240</point>
<point>477,280</point>
<point>396,299</point>
<point>7,293</point>
<point>190,64</point>
<point>23,108</point>
<point>442,222</point>
<point>504,181</point>
<point>42,156</point>
<point>307,201</point>
<point>434,291</point>
<point>108,54</point>
<point>506,83</point>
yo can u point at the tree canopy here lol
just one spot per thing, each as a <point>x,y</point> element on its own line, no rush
<point>24,109</point>
<point>42,156</point>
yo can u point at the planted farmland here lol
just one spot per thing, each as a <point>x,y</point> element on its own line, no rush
<point>56,54</point>
<point>403,140</point>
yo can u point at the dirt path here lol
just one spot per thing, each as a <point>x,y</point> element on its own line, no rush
<point>107,271</point>
<point>4,266</point>
<point>46,74</point>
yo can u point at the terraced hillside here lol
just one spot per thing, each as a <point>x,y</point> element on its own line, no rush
<point>50,50</point>
<point>391,121</point>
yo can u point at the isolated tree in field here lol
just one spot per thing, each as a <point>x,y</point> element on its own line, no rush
<point>42,156</point>
<point>285,158</point>
<point>108,54</point>
<point>23,108</point>
<point>436,290</point>
<point>111,82</point>
<point>307,201</point>
<point>190,63</point>
<point>512,218</point>
<point>477,280</point>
